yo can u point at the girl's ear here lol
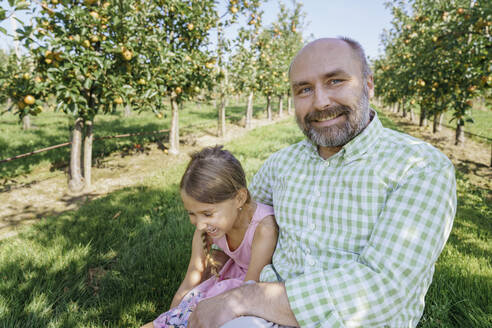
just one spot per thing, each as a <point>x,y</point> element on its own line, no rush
<point>242,196</point>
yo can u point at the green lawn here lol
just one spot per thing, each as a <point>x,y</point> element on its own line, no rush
<point>94,268</point>
<point>51,128</point>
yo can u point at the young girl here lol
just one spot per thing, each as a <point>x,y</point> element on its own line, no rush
<point>214,193</point>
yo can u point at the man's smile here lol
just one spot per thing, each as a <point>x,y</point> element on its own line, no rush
<point>327,120</point>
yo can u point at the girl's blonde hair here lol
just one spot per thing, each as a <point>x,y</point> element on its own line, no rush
<point>212,176</point>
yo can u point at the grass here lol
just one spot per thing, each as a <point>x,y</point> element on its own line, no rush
<point>117,261</point>
<point>51,128</point>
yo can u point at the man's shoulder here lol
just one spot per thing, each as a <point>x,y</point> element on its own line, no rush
<point>402,145</point>
<point>290,152</point>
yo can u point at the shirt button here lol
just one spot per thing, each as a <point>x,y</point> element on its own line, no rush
<point>327,163</point>
<point>312,226</point>
<point>308,251</point>
<point>312,262</point>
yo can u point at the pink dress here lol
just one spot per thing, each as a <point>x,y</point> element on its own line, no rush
<point>230,276</point>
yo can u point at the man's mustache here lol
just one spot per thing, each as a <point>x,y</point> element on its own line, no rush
<point>333,111</point>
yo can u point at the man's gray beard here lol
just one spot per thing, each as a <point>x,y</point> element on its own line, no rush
<point>335,136</point>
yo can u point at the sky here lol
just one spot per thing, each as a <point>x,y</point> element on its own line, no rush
<point>362,20</point>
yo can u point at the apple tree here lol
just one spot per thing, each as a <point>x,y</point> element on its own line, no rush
<point>243,62</point>
<point>442,48</point>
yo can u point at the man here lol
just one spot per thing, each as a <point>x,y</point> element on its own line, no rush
<point>363,211</point>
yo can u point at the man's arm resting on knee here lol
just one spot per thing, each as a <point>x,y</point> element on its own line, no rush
<point>264,300</point>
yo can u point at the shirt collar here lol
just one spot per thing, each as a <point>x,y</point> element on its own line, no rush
<point>359,145</point>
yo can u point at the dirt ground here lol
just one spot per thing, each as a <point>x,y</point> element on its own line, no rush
<point>42,194</point>
<point>473,158</point>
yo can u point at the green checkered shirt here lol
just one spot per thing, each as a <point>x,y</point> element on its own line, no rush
<point>359,232</point>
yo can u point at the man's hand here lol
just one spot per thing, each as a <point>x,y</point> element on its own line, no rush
<point>213,312</point>
<point>264,300</point>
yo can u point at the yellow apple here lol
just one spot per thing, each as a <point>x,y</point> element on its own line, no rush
<point>29,100</point>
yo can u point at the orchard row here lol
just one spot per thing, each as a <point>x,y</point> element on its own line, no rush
<point>93,55</point>
<point>437,56</point>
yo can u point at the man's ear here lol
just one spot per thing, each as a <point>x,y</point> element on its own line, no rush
<point>370,86</point>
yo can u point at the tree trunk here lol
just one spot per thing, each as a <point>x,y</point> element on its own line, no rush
<point>26,122</point>
<point>249,111</point>
<point>439,125</point>
<point>221,129</point>
<point>269,108</point>
<point>435,123</point>
<point>436,126</point>
<point>75,180</point>
<point>403,108</point>
<point>460,134</point>
<point>88,154</point>
<point>280,106</point>
<point>412,116</point>
<point>128,111</point>
<point>423,117</point>
<point>174,133</point>
<point>289,105</point>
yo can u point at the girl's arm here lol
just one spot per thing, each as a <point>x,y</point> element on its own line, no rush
<point>195,269</point>
<point>262,247</point>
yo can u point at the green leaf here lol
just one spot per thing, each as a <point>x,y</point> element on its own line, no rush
<point>88,84</point>
<point>2,30</point>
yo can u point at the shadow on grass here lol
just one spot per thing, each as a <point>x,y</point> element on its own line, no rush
<point>478,169</point>
<point>117,262</point>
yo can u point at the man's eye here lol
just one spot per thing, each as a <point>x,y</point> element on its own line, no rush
<point>208,214</point>
<point>335,81</point>
<point>304,90</point>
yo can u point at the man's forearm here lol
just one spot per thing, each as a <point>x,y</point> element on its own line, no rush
<point>265,300</point>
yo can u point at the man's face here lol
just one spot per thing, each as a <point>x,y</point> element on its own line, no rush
<point>331,97</point>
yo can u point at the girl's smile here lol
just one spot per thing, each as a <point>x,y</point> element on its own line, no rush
<point>217,219</point>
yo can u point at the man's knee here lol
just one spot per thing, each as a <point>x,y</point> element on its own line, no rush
<point>249,322</point>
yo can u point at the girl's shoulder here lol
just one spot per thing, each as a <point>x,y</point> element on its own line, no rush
<point>262,211</point>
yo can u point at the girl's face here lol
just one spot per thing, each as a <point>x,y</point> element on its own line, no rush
<point>215,219</point>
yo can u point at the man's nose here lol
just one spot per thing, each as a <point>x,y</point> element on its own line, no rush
<point>322,99</point>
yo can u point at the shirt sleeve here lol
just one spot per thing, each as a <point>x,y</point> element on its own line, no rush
<point>261,185</point>
<point>394,267</point>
